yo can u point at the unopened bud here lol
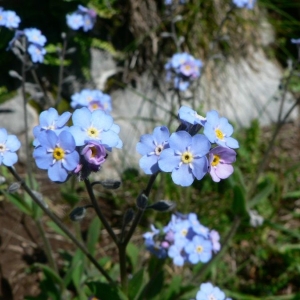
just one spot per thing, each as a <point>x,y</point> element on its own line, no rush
<point>109,184</point>
<point>2,179</point>
<point>77,214</point>
<point>163,206</point>
<point>14,187</point>
<point>141,201</point>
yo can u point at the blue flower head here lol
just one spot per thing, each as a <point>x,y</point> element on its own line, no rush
<point>57,154</point>
<point>95,126</point>
<point>208,291</point>
<point>9,144</point>
<point>83,17</point>
<point>151,146</point>
<point>249,4</point>
<point>50,120</point>
<point>35,36</point>
<point>186,157</point>
<point>74,21</point>
<point>36,52</point>
<point>12,20</point>
<point>219,131</point>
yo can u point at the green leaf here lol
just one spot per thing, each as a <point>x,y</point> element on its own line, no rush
<point>135,284</point>
<point>49,273</point>
<point>173,288</point>
<point>239,206</point>
<point>93,235</point>
<point>104,291</point>
<point>132,252</point>
<point>292,195</point>
<point>55,228</point>
<point>21,203</point>
<point>78,263</point>
<point>154,286</point>
<point>261,195</point>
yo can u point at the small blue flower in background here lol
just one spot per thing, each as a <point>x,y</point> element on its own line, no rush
<point>9,18</point>
<point>93,99</point>
<point>183,68</point>
<point>95,126</point>
<point>219,131</point>
<point>184,239</point>
<point>57,154</point>
<point>295,41</point>
<point>50,120</point>
<point>220,160</point>
<point>249,4</point>
<point>208,292</point>
<point>151,146</point>
<point>198,250</point>
<point>35,36</point>
<point>74,21</point>
<point>9,144</point>
<point>36,53</point>
<point>82,17</point>
<point>185,158</point>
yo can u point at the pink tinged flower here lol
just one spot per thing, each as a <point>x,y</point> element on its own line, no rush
<point>215,239</point>
<point>94,153</point>
<point>220,160</point>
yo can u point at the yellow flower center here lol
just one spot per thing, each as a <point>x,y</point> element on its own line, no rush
<point>58,153</point>
<point>184,232</point>
<point>220,135</point>
<point>95,106</point>
<point>199,249</point>
<point>216,160</point>
<point>93,132</point>
<point>94,151</point>
<point>187,157</point>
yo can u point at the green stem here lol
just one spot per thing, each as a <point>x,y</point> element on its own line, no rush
<point>57,221</point>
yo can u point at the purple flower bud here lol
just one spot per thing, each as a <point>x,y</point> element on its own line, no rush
<point>95,154</point>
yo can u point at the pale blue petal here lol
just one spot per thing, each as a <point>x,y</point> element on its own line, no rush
<point>57,173</point>
<point>180,140</point>
<point>209,132</point>
<point>232,143</point>
<point>79,135</point>
<point>146,144</point>
<point>148,163</point>
<point>3,135</point>
<point>109,139</point>
<point>212,117</point>
<point>161,134</point>
<point>101,120</point>
<point>9,159</point>
<point>63,119</point>
<point>183,175</point>
<point>82,117</point>
<point>71,161</point>
<point>12,143</point>
<point>66,141</point>
<point>42,158</point>
<point>200,167</point>
<point>168,161</point>
<point>200,145</point>
<point>47,117</point>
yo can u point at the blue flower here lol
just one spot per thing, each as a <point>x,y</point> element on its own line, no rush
<point>9,144</point>
<point>185,158</point>
<point>151,146</point>
<point>198,250</point>
<point>18,34</point>
<point>219,131</point>
<point>74,21</point>
<point>176,253</point>
<point>93,99</point>
<point>95,126</point>
<point>208,291</point>
<point>12,20</point>
<point>249,4</point>
<point>36,53</point>
<point>189,115</point>
<point>295,41</point>
<point>50,120</point>
<point>35,36</point>
<point>83,17</point>
<point>2,17</point>
<point>57,154</point>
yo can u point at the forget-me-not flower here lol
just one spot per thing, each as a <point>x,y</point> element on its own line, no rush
<point>95,126</point>
<point>12,20</point>
<point>36,52</point>
<point>50,120</point>
<point>151,146</point>
<point>249,4</point>
<point>35,36</point>
<point>220,160</point>
<point>219,131</point>
<point>9,144</point>
<point>186,157</point>
<point>82,17</point>
<point>57,154</point>
<point>209,292</point>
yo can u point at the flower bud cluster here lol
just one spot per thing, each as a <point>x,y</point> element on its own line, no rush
<point>182,68</point>
<point>83,17</point>
<point>184,239</point>
<point>188,154</point>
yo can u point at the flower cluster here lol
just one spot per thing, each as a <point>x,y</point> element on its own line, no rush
<point>35,43</point>
<point>92,99</point>
<point>82,17</point>
<point>170,2</point>
<point>79,149</point>
<point>249,4</point>
<point>9,144</point>
<point>182,68</point>
<point>184,239</point>
<point>187,154</point>
<point>208,292</point>
<point>9,18</point>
